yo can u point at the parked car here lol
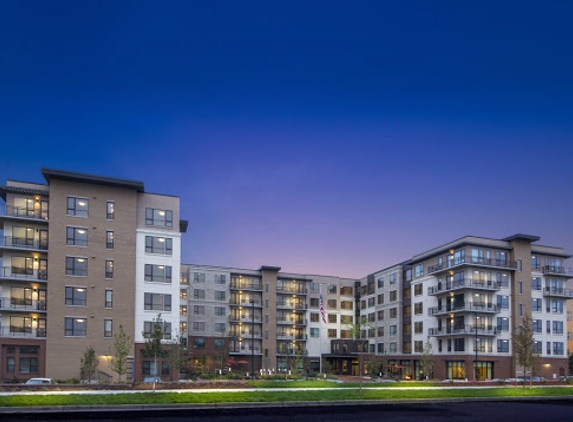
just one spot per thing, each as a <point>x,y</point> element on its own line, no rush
<point>39,381</point>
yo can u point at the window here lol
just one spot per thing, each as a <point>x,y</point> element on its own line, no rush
<point>537,347</point>
<point>331,289</point>
<point>419,270</point>
<point>380,331</point>
<point>198,310</point>
<point>520,287</point>
<point>198,342</point>
<point>419,327</point>
<point>157,217</point>
<point>77,236</point>
<point>220,279</point>
<point>393,330</point>
<point>77,207</point>
<point>536,305</point>
<point>198,326</point>
<point>331,304</point>
<point>381,315</point>
<point>314,317</point>
<point>557,327</point>
<point>28,365</point>
<point>198,277</point>
<point>109,268</point>
<point>393,347</point>
<point>520,309</point>
<point>110,210</point>
<point>158,273</point>
<point>393,278</point>
<point>220,327</point>
<point>182,309</point>
<point>183,294</point>
<point>20,324</point>
<point>371,302</point>
<point>109,239</point>
<point>75,327</point>
<point>198,294</point>
<point>314,332</point>
<point>332,318</point>
<point>380,282</point>
<point>502,324</point>
<point>536,283</point>
<point>76,266</point>
<point>331,333</point>
<point>10,364</point>
<point>157,302</point>
<point>557,348</point>
<point>346,319</point>
<point>557,306</point>
<point>418,289</point>
<point>393,295</point>
<point>503,346</point>
<point>314,302</point>
<point>220,295</point>
<point>535,263</point>
<point>20,296</point>
<point>503,302</point>
<point>346,291</point>
<point>347,305</point>
<point>380,299</point>
<point>108,298</point>
<point>148,327</point>
<point>76,296</point>
<point>107,328</point>
<point>159,245</point>
<point>418,346</point>
<point>393,313</point>
<point>220,311</point>
<point>418,308</point>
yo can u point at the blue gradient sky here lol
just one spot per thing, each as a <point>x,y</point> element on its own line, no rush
<point>320,136</point>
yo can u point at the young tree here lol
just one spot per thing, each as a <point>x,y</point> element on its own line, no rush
<point>523,344</point>
<point>89,363</point>
<point>178,355</point>
<point>427,359</point>
<point>119,352</point>
<point>373,366</point>
<point>359,331</point>
<point>571,364</point>
<point>153,344</point>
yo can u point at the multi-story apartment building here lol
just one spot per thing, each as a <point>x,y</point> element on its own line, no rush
<point>82,255</point>
<point>262,319</point>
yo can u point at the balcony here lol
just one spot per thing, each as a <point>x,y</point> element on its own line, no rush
<point>22,305</point>
<point>22,243</point>
<point>465,283</point>
<point>472,261</point>
<point>245,334</point>
<point>297,337</point>
<point>556,270</point>
<point>24,274</point>
<point>480,307</point>
<point>246,303</point>
<point>245,319</point>
<point>291,305</point>
<point>291,321</point>
<point>297,290</point>
<point>23,213</point>
<point>245,285</point>
<point>466,330</point>
<point>557,292</point>
<point>23,333</point>
<point>244,351</point>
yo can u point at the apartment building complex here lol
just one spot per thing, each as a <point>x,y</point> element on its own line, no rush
<point>82,255</point>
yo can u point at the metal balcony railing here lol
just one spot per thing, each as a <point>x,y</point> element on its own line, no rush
<point>465,283</point>
<point>23,212</point>
<point>23,273</point>
<point>8,303</point>
<point>487,262</point>
<point>24,243</point>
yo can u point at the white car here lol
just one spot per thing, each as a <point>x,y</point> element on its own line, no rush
<point>39,381</point>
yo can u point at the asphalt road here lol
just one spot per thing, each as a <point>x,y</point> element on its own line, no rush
<point>473,411</point>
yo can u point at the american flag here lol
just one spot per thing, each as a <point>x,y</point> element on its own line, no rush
<point>322,313</point>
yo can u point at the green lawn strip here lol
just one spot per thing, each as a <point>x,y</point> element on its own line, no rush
<point>329,384</point>
<point>162,398</point>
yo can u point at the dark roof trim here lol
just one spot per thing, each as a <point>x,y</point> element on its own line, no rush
<point>522,236</point>
<point>269,268</point>
<point>183,226</point>
<point>26,191</point>
<point>90,178</point>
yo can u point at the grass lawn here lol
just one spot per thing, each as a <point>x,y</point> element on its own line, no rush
<point>338,392</point>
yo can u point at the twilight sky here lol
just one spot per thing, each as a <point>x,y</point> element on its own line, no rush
<point>325,137</point>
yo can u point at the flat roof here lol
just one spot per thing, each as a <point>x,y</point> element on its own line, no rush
<point>91,178</point>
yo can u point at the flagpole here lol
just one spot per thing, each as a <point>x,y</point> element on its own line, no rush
<point>320,337</point>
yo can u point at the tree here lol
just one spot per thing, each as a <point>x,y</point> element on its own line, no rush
<point>178,355</point>
<point>523,343</point>
<point>119,352</point>
<point>357,332</point>
<point>571,364</point>
<point>153,344</point>
<point>373,366</point>
<point>427,359</point>
<point>89,363</point>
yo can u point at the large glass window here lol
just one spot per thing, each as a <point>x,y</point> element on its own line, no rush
<point>158,217</point>
<point>75,327</point>
<point>157,302</point>
<point>107,327</point>
<point>77,236</point>
<point>148,327</point>
<point>158,273</point>
<point>110,210</point>
<point>108,298</point>
<point>77,207</point>
<point>28,365</point>
<point>20,296</point>
<point>109,239</point>
<point>76,266</point>
<point>20,324</point>
<point>159,245</point>
<point>76,296</point>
